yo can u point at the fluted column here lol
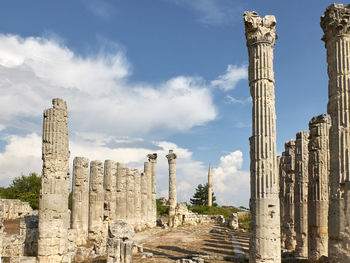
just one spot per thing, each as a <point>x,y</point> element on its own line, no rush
<point>121,191</point>
<point>172,186</point>
<point>80,199</point>
<point>152,158</point>
<point>110,190</point>
<point>130,195</point>
<point>336,27</point>
<point>210,188</point>
<point>96,196</point>
<point>265,244</point>
<point>318,187</point>
<point>55,184</point>
<point>137,200</point>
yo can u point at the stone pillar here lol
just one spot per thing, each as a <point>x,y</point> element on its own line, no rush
<point>335,24</point>
<point>210,188</point>
<point>130,195</point>
<point>265,242</point>
<point>152,158</point>
<point>147,193</point>
<point>55,184</point>
<point>110,190</point>
<point>121,191</point>
<point>282,196</point>
<point>172,186</point>
<point>289,168</point>
<point>300,193</point>
<point>144,194</point>
<point>96,195</point>
<point>80,199</point>
<point>318,187</point>
<point>137,200</point>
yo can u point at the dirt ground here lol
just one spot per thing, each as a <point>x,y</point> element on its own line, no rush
<point>215,243</point>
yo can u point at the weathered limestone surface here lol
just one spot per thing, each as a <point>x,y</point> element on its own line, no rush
<point>130,196</point>
<point>110,190</point>
<point>289,169</point>
<point>13,209</point>
<point>152,158</point>
<point>300,192</point>
<point>80,199</point>
<point>96,196</point>
<point>53,203</point>
<point>137,205</point>
<point>318,187</point>
<point>282,196</point>
<point>146,201</point>
<point>265,244</point>
<point>121,191</point>
<point>335,24</point>
<point>210,188</point>
<point>172,186</point>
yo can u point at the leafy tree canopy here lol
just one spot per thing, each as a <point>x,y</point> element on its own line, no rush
<point>24,188</point>
<point>200,197</point>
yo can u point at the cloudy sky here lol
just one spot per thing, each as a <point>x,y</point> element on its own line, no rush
<point>149,76</point>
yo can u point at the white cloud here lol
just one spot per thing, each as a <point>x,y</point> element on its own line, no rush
<point>230,78</point>
<point>229,182</point>
<point>99,8</point>
<point>233,100</point>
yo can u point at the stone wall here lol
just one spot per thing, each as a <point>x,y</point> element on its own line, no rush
<point>13,209</point>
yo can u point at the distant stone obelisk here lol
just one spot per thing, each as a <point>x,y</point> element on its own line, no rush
<point>210,187</point>
<point>172,186</point>
<point>265,236</point>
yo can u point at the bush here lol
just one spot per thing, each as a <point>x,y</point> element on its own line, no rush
<point>214,210</point>
<point>244,220</point>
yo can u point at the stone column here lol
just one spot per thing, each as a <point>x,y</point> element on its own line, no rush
<point>144,194</point>
<point>55,184</point>
<point>289,168</point>
<point>147,190</point>
<point>265,242</point>
<point>300,193</point>
<point>121,191</point>
<point>80,199</point>
<point>172,186</point>
<point>152,158</point>
<point>130,195</point>
<point>210,188</point>
<point>282,196</point>
<point>318,187</point>
<point>96,194</point>
<point>137,200</point>
<point>335,24</point>
<point>110,190</point>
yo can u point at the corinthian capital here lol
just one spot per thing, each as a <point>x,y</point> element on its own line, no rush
<point>152,157</point>
<point>259,29</point>
<point>171,156</point>
<point>335,21</point>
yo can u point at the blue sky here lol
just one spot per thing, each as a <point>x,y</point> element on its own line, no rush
<point>143,76</point>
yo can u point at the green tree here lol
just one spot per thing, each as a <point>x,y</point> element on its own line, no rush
<point>200,197</point>
<point>24,188</point>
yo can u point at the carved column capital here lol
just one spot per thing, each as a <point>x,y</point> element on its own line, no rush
<point>152,157</point>
<point>259,29</point>
<point>171,156</point>
<point>335,21</point>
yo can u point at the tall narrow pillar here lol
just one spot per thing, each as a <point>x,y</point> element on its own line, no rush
<point>96,194</point>
<point>110,190</point>
<point>301,193</point>
<point>265,242</point>
<point>137,200</point>
<point>55,184</point>
<point>318,187</point>
<point>282,196</point>
<point>172,186</point>
<point>335,24</point>
<point>144,194</point>
<point>121,191</point>
<point>152,158</point>
<point>210,188</point>
<point>130,195</point>
<point>147,193</point>
<point>80,199</point>
<point>289,168</point>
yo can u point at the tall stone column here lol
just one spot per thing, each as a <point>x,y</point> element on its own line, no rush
<point>335,24</point>
<point>282,196</point>
<point>80,199</point>
<point>172,186</point>
<point>96,194</point>
<point>265,240</point>
<point>300,192</point>
<point>145,176</point>
<point>289,168</point>
<point>152,158</point>
<point>55,184</point>
<point>130,195</point>
<point>147,193</point>
<point>210,188</point>
<point>137,200</point>
<point>318,187</point>
<point>121,191</point>
<point>110,190</point>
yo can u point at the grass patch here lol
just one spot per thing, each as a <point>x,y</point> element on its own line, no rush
<point>244,220</point>
<point>215,210</point>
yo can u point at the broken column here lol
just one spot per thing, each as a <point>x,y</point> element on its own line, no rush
<point>300,193</point>
<point>96,197</point>
<point>289,168</point>
<point>335,24</point>
<point>130,195</point>
<point>152,158</point>
<point>110,190</point>
<point>265,244</point>
<point>80,199</point>
<point>318,187</point>
<point>55,184</point>
<point>172,186</point>
<point>121,191</point>
<point>210,188</point>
